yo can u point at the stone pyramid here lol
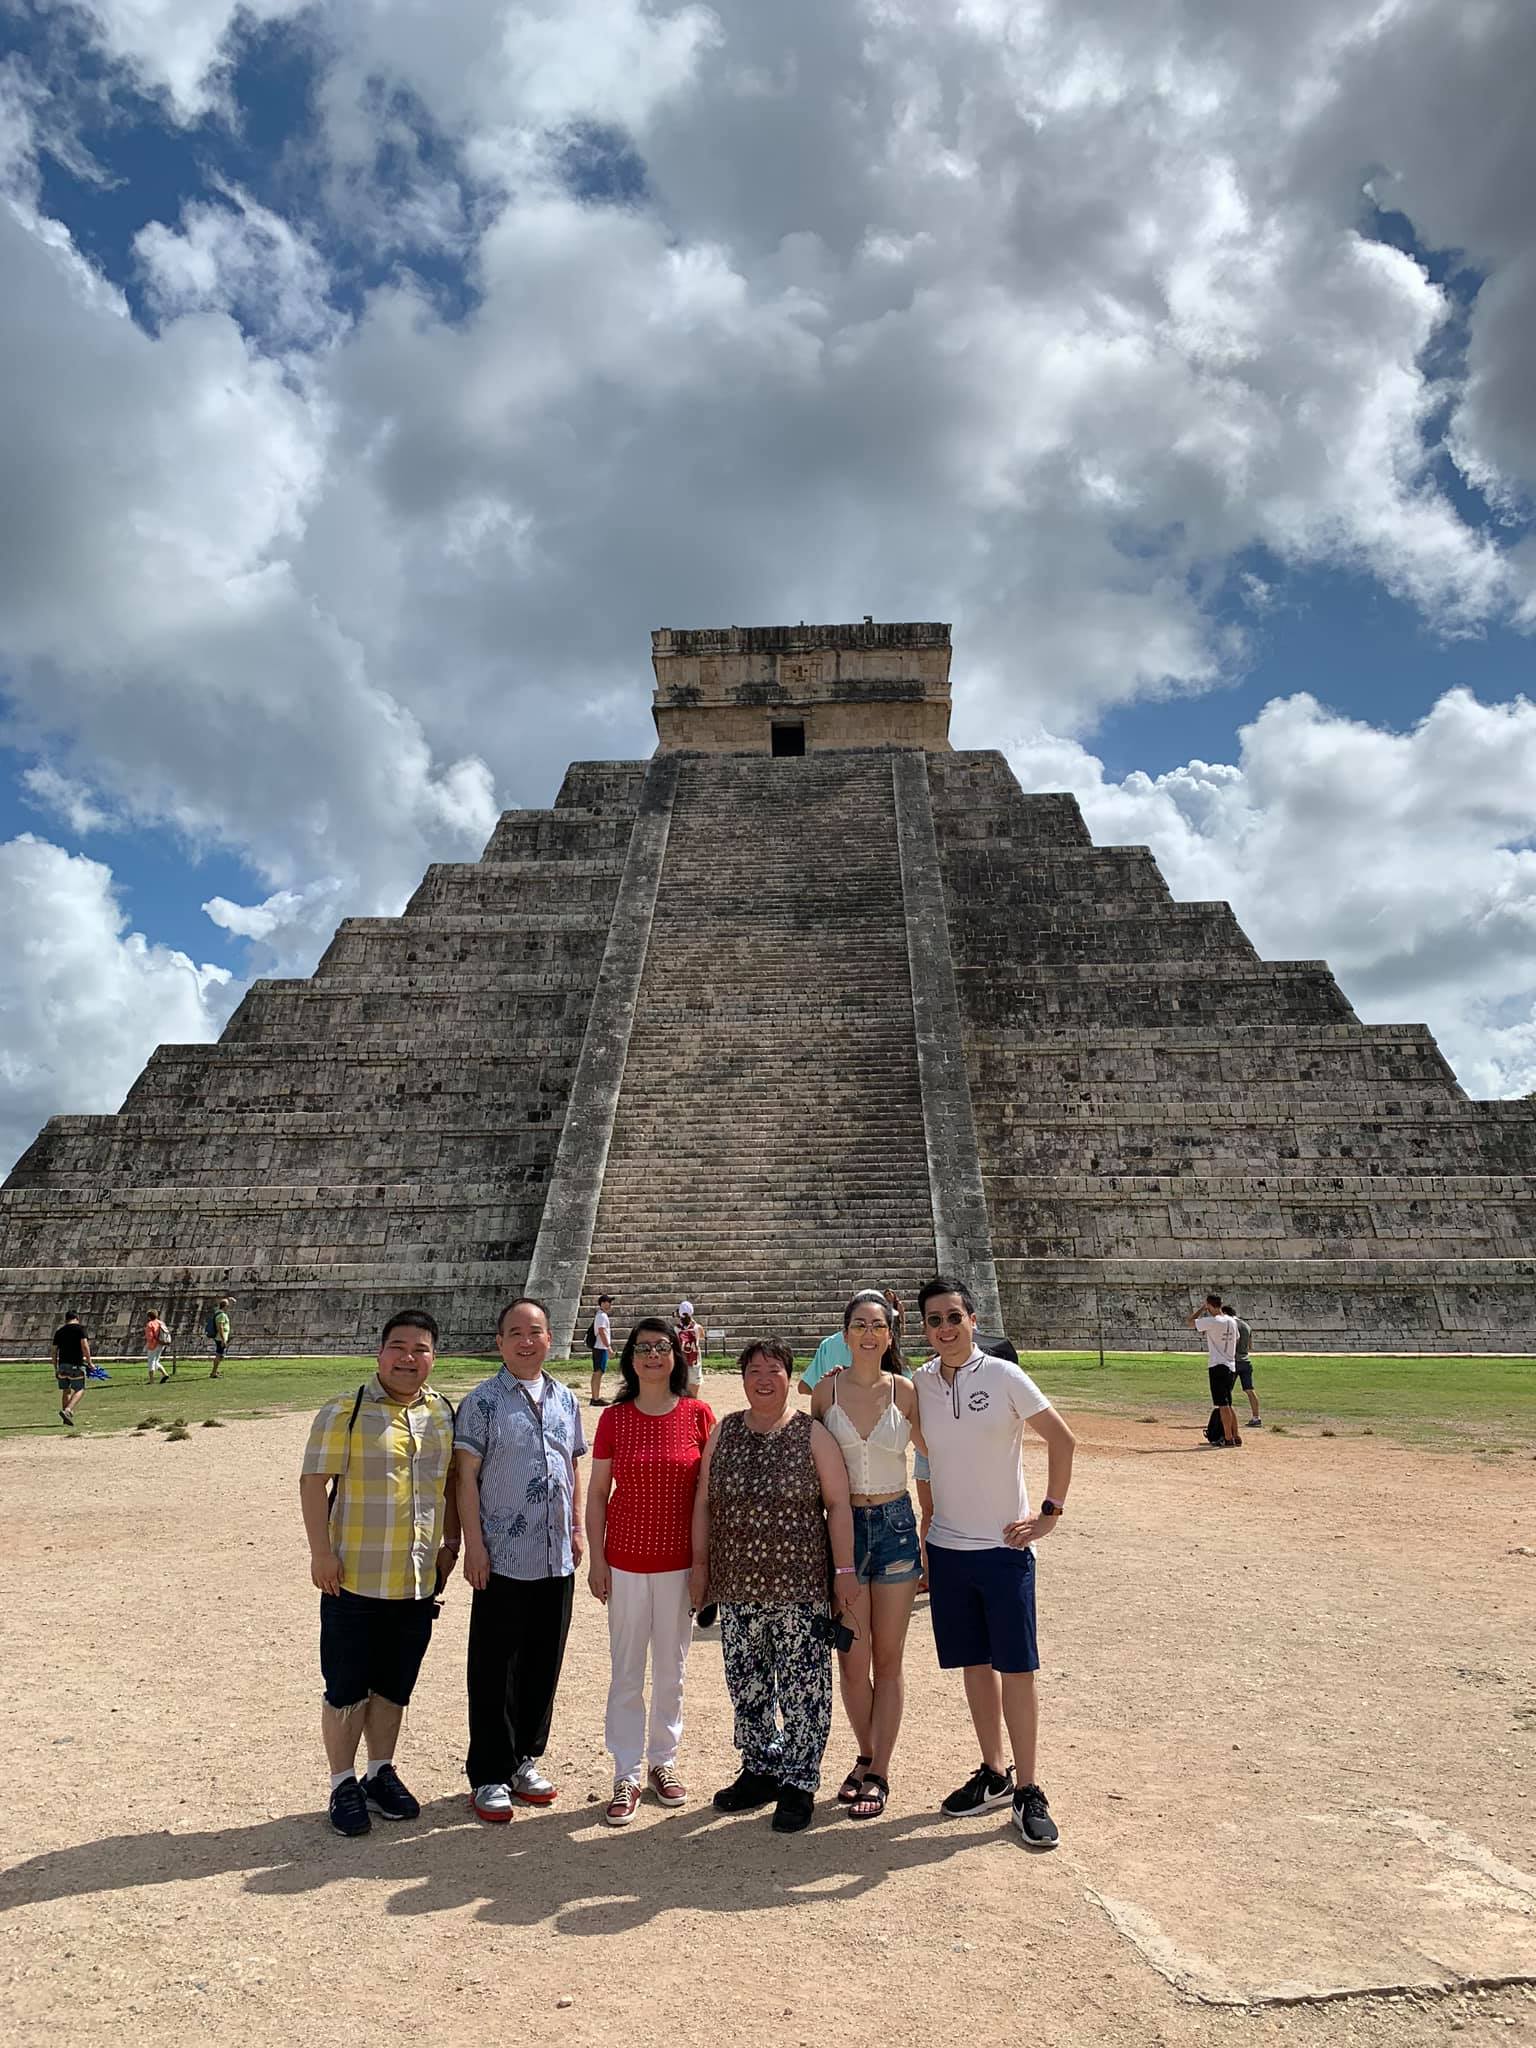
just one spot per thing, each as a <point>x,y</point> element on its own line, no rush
<point>806,1002</point>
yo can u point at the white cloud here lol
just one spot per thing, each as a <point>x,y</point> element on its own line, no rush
<point>65,797</point>
<point>242,259</point>
<point>83,1000</point>
<point>1404,859</point>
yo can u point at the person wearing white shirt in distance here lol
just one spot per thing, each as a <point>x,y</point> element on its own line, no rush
<point>979,1532</point>
<point>1220,1333</point>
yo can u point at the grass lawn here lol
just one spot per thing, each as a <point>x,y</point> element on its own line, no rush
<point>1482,1404</point>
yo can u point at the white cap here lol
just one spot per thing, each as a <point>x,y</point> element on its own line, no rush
<point>685,1308</point>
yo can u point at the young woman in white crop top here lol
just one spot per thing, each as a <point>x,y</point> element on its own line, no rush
<point>870,1407</point>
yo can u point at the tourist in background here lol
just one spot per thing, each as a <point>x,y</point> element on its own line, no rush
<point>600,1344</point>
<point>894,1303</point>
<point>870,1411</point>
<point>156,1339</point>
<point>383,1529</point>
<point>217,1328</point>
<point>690,1339</point>
<point>1242,1365</point>
<point>831,1355</point>
<point>71,1362</point>
<point>1220,1333</point>
<point>772,1491</point>
<point>645,1467</point>
<point>518,1446</point>
<point>980,1533</point>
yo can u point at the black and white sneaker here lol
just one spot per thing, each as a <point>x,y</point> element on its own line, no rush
<point>349,1809</point>
<point>1032,1818</point>
<point>984,1788</point>
<point>388,1797</point>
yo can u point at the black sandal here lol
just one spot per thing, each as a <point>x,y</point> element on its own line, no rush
<point>873,1802</point>
<point>853,1784</point>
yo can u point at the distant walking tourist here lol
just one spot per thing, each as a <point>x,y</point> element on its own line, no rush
<point>974,1409</point>
<point>71,1362</point>
<point>1220,1333</point>
<point>691,1339</point>
<point>1242,1365</point>
<point>518,1443</point>
<point>383,1531</point>
<point>870,1410</point>
<point>772,1493</point>
<point>156,1338</point>
<point>217,1327</point>
<point>645,1467</point>
<point>600,1344</point>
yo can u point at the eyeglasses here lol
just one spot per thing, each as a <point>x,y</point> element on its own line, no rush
<point>951,1318</point>
<point>653,1351</point>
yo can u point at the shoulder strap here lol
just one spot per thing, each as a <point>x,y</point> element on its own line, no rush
<point>347,1459</point>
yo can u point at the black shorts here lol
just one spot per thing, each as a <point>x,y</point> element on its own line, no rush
<point>372,1646</point>
<point>1223,1379</point>
<point>219,1349</point>
<point>70,1377</point>
<point>1244,1371</point>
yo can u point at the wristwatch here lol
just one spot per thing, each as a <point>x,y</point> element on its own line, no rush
<point>1049,1506</point>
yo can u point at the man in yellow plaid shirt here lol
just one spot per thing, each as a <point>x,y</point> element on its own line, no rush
<point>383,1529</point>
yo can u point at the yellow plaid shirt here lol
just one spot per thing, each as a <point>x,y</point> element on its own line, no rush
<point>391,1469</point>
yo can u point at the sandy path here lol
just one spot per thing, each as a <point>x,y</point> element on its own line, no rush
<point>1290,1737</point>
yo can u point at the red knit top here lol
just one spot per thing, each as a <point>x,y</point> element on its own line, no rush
<point>655,1470</point>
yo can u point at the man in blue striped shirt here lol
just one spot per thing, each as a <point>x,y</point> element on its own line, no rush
<point>517,1446</point>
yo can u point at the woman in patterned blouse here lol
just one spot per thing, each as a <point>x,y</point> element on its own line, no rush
<point>772,1493</point>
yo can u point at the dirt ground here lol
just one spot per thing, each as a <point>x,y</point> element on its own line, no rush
<point>1289,1735</point>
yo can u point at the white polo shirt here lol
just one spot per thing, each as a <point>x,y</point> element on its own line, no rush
<point>974,1430</point>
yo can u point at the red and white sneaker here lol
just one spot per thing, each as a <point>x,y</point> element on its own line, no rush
<point>624,1805</point>
<point>492,1802</point>
<point>530,1785</point>
<point>668,1786</point>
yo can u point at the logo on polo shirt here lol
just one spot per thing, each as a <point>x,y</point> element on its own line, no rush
<point>979,1400</point>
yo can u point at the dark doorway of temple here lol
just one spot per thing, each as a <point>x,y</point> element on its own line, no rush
<point>789,739</point>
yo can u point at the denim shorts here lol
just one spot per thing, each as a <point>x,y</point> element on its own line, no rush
<point>885,1542</point>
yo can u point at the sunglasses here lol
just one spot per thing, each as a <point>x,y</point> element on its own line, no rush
<point>653,1351</point>
<point>951,1319</point>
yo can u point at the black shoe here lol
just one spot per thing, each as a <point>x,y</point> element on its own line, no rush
<point>349,1809</point>
<point>1032,1818</point>
<point>751,1789</point>
<point>386,1794</point>
<point>984,1788</point>
<point>708,1614</point>
<point>793,1811</point>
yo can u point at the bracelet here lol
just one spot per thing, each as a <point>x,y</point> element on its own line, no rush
<point>844,1571</point>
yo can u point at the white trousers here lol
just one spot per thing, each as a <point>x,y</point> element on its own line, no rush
<point>647,1612</point>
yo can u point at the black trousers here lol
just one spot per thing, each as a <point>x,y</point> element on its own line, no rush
<point>517,1632</point>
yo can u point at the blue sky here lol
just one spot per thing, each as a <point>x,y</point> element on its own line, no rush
<point>464,352</point>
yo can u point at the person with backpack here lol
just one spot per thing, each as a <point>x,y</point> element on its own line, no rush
<point>1219,1330</point>
<point>156,1339</point>
<point>382,1521</point>
<point>599,1341</point>
<point>217,1330</point>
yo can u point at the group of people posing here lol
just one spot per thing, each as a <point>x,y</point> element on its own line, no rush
<point>797,1527</point>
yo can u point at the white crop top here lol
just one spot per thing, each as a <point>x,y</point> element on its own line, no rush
<point>876,1463</point>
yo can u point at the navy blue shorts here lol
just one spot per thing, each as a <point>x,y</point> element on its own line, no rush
<point>600,1361</point>
<point>372,1646</point>
<point>1244,1371</point>
<point>983,1607</point>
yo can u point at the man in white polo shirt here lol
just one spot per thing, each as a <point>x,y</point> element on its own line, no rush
<point>979,1533</point>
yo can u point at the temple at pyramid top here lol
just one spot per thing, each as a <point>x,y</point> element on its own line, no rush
<point>802,689</point>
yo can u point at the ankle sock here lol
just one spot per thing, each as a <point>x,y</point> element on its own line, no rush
<point>339,1778</point>
<point>376,1764</point>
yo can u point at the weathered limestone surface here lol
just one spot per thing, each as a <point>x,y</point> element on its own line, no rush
<point>758,1030</point>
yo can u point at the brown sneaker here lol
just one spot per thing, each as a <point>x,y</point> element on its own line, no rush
<point>668,1786</point>
<point>621,1808</point>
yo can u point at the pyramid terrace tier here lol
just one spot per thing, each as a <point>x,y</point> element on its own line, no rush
<point>1014,1064</point>
<point>1412,1306</point>
<point>421,1006</point>
<point>332,1074</point>
<point>509,888</point>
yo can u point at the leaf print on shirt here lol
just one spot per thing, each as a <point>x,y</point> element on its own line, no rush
<point>538,1489</point>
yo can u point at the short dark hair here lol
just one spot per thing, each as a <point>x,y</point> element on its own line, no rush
<point>653,1326</point>
<point>940,1284</point>
<point>409,1319</point>
<point>71,1315</point>
<point>1214,1297</point>
<point>771,1347</point>
<point>522,1301</point>
<point>602,1298</point>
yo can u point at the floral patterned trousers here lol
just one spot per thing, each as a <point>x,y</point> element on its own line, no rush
<point>779,1674</point>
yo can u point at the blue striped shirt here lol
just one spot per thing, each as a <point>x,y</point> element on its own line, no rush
<point>527,1449</point>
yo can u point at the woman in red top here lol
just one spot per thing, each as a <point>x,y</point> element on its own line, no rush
<point>645,1466</point>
